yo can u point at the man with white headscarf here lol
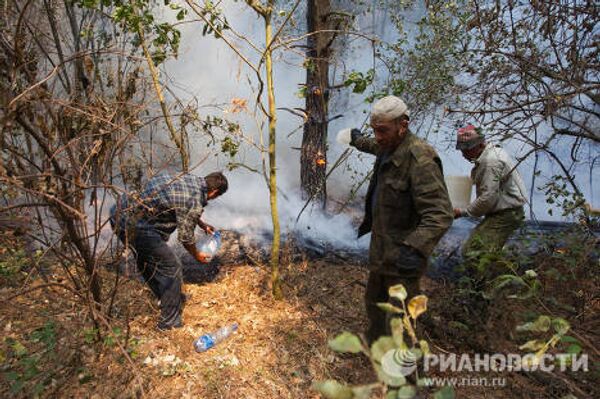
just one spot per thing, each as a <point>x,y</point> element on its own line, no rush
<point>407,208</point>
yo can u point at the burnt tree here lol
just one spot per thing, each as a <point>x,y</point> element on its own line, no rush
<point>313,159</point>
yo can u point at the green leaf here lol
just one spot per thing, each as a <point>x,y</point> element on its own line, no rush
<point>19,349</point>
<point>533,345</point>
<point>407,392</point>
<point>391,394</point>
<point>332,389</point>
<point>530,273</point>
<point>542,324</point>
<point>560,325</point>
<point>389,380</point>
<point>346,343</point>
<point>574,349</point>
<point>362,392</point>
<point>381,347</point>
<point>567,339</point>
<point>446,392</point>
<point>398,291</point>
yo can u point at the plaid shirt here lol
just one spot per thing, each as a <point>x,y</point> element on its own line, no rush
<point>166,203</point>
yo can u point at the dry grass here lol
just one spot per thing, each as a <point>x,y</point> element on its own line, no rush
<point>279,350</point>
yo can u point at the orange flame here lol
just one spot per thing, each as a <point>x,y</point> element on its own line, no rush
<point>321,162</point>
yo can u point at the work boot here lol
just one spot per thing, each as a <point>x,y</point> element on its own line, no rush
<point>162,326</point>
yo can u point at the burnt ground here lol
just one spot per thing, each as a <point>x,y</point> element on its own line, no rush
<point>280,349</point>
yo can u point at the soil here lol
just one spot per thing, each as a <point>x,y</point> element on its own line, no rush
<point>280,348</point>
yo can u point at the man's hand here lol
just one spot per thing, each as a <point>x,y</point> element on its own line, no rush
<point>410,254</point>
<point>457,213</point>
<point>202,257</point>
<point>355,134</point>
<point>207,228</point>
<point>199,256</point>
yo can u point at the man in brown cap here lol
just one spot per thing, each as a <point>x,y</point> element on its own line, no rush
<point>407,207</point>
<point>500,196</point>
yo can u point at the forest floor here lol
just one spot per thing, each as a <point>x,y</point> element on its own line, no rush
<point>49,347</point>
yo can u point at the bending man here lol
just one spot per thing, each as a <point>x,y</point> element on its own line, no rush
<point>145,222</point>
<point>500,195</point>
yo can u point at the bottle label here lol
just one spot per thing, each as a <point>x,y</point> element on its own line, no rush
<point>207,341</point>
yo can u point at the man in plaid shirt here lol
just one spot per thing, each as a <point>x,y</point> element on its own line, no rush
<point>144,221</point>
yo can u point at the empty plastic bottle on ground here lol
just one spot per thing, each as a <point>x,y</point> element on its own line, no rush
<point>207,341</point>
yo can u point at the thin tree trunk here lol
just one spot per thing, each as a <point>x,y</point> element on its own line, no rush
<point>313,159</point>
<point>177,138</point>
<point>275,278</point>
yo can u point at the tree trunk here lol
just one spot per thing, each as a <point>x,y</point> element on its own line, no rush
<point>275,278</point>
<point>313,159</point>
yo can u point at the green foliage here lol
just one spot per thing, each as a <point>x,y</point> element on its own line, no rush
<point>302,92</point>
<point>23,370</point>
<point>423,63</point>
<point>229,147</point>
<point>526,285</point>
<point>12,262</point>
<point>90,335</point>
<point>110,340</point>
<point>385,352</point>
<point>545,325</point>
<point>346,343</point>
<point>46,335</point>
<point>559,193</point>
<point>332,389</point>
<point>215,21</point>
<point>137,15</point>
<point>359,81</point>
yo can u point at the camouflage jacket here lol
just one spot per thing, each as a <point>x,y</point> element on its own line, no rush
<point>407,201</point>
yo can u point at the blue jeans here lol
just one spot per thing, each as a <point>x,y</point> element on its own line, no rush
<point>159,266</point>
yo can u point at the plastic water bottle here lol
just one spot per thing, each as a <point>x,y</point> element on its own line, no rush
<point>207,341</point>
<point>210,246</point>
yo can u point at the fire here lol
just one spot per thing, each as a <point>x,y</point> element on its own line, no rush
<point>321,162</point>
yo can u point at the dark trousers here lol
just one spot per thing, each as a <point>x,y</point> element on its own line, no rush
<point>160,268</point>
<point>407,272</point>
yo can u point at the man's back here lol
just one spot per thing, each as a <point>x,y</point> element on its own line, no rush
<point>166,202</point>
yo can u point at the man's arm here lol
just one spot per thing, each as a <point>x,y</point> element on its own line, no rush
<point>363,143</point>
<point>187,220</point>
<point>432,204</point>
<point>199,256</point>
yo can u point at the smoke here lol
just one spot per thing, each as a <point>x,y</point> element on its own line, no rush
<point>208,71</point>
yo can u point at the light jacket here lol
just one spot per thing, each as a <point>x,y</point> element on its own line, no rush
<point>497,183</point>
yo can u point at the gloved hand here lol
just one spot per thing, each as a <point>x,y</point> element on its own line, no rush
<point>409,257</point>
<point>355,134</point>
